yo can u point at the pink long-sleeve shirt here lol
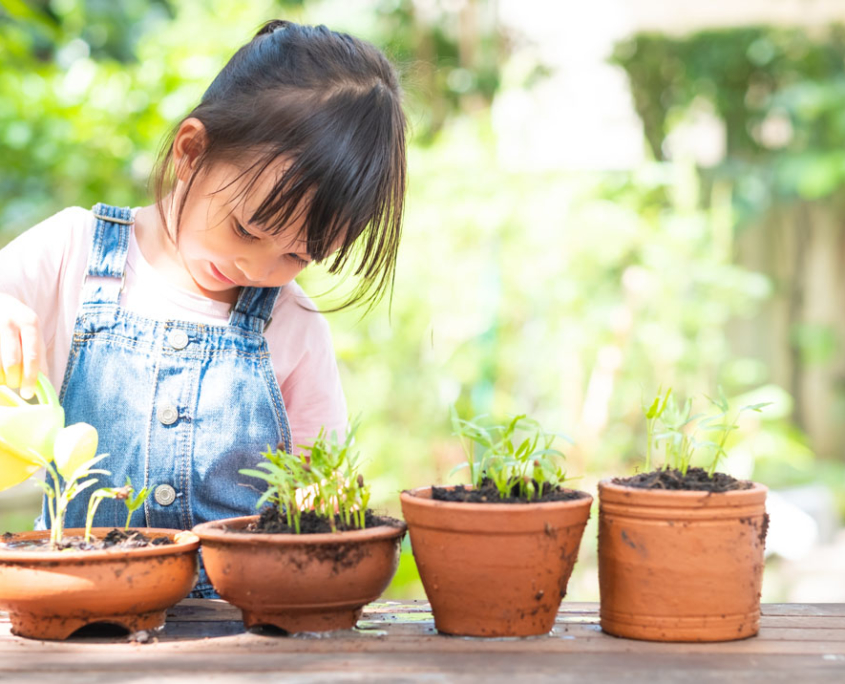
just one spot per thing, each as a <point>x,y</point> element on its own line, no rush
<point>44,268</point>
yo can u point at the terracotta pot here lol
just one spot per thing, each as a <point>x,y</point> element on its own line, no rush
<point>51,594</point>
<point>494,570</point>
<point>681,565</point>
<point>299,583</point>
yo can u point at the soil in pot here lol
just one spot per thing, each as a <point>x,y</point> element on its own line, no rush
<point>114,539</point>
<point>695,479</point>
<point>489,493</point>
<point>313,582</point>
<point>273,521</point>
<point>681,563</point>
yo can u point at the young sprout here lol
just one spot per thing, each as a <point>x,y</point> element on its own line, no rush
<point>133,503</point>
<point>680,430</point>
<point>723,429</point>
<point>652,414</point>
<point>323,478</point>
<point>496,453</point>
<point>93,504</point>
<point>120,493</point>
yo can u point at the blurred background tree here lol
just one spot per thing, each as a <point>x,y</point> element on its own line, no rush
<point>549,265</point>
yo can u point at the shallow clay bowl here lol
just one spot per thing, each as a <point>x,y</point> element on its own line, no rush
<point>299,582</point>
<point>51,594</point>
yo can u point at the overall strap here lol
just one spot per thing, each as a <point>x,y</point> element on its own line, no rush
<point>254,308</point>
<point>107,258</point>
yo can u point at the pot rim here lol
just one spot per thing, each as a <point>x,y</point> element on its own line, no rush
<point>183,541</point>
<point>413,496</point>
<point>614,487</point>
<point>213,531</point>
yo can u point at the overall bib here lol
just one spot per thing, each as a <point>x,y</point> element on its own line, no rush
<point>180,406</point>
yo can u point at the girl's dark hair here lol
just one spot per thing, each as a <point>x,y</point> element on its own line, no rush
<point>329,104</point>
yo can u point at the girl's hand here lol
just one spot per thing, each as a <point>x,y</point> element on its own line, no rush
<point>22,353</point>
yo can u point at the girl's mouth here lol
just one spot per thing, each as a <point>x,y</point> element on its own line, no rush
<point>217,274</point>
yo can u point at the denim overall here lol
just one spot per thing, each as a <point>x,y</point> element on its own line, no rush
<point>180,407</point>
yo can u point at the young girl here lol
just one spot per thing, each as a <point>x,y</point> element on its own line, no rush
<point>177,329</point>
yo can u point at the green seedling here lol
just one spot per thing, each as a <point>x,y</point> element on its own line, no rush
<point>496,452</point>
<point>124,494</point>
<point>34,436</point>
<point>133,503</point>
<point>652,414</point>
<point>323,478</point>
<point>680,431</point>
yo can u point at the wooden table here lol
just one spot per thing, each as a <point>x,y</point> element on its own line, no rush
<point>396,642</point>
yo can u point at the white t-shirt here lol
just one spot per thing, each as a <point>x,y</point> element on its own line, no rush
<point>45,266</point>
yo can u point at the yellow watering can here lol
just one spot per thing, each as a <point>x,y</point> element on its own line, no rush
<point>34,434</point>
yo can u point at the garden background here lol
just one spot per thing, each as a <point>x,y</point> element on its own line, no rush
<point>604,197</point>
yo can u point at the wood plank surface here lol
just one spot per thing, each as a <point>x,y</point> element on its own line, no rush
<point>397,642</point>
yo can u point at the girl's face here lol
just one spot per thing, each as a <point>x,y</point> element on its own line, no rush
<point>221,250</point>
<point>217,245</point>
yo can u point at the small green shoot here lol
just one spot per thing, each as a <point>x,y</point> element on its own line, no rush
<point>124,493</point>
<point>497,453</point>
<point>323,478</point>
<point>133,503</point>
<point>679,431</point>
<point>652,414</point>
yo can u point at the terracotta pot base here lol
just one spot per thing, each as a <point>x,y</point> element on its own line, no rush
<point>307,619</point>
<point>60,628</point>
<point>650,628</point>
<point>520,624</point>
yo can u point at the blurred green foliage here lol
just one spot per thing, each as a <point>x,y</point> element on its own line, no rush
<point>780,95</point>
<point>756,78</point>
<point>567,296</point>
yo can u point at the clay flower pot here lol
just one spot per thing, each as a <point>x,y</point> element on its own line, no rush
<point>299,582</point>
<point>494,570</point>
<point>681,565</point>
<point>51,594</point>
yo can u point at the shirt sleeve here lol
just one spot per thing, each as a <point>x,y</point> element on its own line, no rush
<point>307,372</point>
<point>34,265</point>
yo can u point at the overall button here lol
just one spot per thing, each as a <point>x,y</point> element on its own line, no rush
<point>165,495</point>
<point>178,339</point>
<point>168,414</point>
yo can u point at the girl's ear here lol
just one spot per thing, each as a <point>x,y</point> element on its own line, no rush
<point>189,143</point>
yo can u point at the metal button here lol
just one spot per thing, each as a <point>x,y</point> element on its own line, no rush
<point>168,414</point>
<point>165,495</point>
<point>178,339</point>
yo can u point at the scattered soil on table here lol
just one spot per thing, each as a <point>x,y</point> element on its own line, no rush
<point>115,539</point>
<point>488,493</point>
<point>696,479</point>
<point>273,521</point>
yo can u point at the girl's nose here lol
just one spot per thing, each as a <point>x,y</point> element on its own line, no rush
<point>255,271</point>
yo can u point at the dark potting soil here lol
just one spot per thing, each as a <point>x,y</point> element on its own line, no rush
<point>696,479</point>
<point>488,493</point>
<point>120,539</point>
<point>273,521</point>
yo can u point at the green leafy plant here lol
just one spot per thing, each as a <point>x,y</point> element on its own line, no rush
<point>652,414</point>
<point>124,493</point>
<point>323,478</point>
<point>497,453</point>
<point>34,436</point>
<point>685,435</point>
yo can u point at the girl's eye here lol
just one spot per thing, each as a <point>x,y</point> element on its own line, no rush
<point>240,231</point>
<point>298,260</point>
